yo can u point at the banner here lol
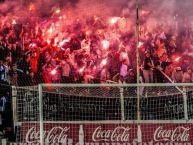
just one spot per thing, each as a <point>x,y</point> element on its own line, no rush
<point>53,133</point>
<point>109,134</point>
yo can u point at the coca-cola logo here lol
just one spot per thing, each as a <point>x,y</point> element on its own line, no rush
<point>54,135</point>
<point>118,134</point>
<point>179,134</point>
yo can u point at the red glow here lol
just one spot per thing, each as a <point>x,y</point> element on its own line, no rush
<point>103,62</point>
<point>64,41</point>
<point>56,41</point>
<point>96,18</point>
<point>32,45</point>
<point>50,30</point>
<point>140,44</point>
<point>105,44</point>
<point>124,55</point>
<point>53,72</point>
<point>81,70</point>
<point>87,32</point>
<point>31,7</point>
<point>14,22</point>
<point>177,59</point>
<point>114,20</point>
<point>57,11</point>
<point>48,41</point>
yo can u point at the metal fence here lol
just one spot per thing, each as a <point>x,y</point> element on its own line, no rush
<point>44,107</point>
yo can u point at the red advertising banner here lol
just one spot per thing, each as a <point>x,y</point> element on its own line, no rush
<point>109,134</point>
<point>53,133</point>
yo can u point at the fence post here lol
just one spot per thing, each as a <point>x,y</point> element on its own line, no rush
<point>41,114</point>
<point>14,106</point>
<point>185,104</point>
<point>122,105</point>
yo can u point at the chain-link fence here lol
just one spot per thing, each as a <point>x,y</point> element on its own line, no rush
<point>52,109</point>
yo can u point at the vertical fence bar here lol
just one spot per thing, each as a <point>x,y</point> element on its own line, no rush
<point>41,114</point>
<point>14,106</point>
<point>185,106</point>
<point>122,105</point>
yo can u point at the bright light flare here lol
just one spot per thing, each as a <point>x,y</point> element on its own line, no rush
<point>124,55</point>
<point>57,11</point>
<point>32,45</point>
<point>56,41</point>
<point>140,44</point>
<point>81,70</point>
<point>14,22</point>
<point>105,44</point>
<point>96,18</point>
<point>48,41</point>
<point>177,59</point>
<point>64,41</point>
<point>50,30</point>
<point>53,72</point>
<point>62,17</point>
<point>87,33</point>
<point>114,20</point>
<point>31,7</point>
<point>103,62</point>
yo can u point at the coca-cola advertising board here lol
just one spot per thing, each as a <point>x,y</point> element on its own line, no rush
<point>53,133</point>
<point>109,134</point>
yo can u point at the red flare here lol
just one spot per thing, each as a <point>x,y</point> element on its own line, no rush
<point>103,62</point>
<point>177,59</point>
<point>50,30</point>
<point>57,11</point>
<point>114,20</point>
<point>53,72</point>
<point>14,22</point>
<point>48,41</point>
<point>31,7</point>
<point>105,44</point>
<point>140,44</point>
<point>81,70</point>
<point>124,55</point>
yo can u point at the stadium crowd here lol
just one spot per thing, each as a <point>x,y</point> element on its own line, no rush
<point>92,51</point>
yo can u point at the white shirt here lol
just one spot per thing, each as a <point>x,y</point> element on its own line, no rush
<point>123,70</point>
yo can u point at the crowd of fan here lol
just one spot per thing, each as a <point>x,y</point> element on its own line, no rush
<point>168,55</point>
<point>93,52</point>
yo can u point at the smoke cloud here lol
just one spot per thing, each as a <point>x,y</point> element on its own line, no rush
<point>44,8</point>
<point>166,12</point>
<point>152,12</point>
